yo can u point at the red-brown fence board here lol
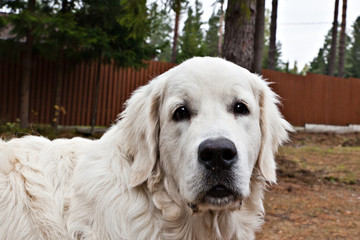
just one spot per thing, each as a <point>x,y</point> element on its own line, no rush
<point>316,98</point>
<point>305,99</point>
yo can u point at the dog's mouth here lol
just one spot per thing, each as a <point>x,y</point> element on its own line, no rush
<point>219,191</point>
<point>217,197</point>
<point>220,195</point>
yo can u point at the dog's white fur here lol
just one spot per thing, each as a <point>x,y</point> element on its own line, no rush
<point>137,181</point>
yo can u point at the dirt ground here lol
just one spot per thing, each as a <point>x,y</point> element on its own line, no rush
<point>318,190</point>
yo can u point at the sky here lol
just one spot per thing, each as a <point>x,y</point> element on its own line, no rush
<point>302,25</point>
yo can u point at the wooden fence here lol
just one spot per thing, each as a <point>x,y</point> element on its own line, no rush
<point>116,86</point>
<point>305,99</point>
<point>316,98</point>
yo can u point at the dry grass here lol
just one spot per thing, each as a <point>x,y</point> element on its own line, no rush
<point>318,194</point>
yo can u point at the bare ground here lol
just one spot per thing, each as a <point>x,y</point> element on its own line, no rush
<point>318,190</point>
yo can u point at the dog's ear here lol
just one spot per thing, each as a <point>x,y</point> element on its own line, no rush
<point>139,124</point>
<point>273,130</point>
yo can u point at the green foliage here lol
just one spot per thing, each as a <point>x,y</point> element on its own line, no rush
<point>176,5</point>
<point>111,33</point>
<point>305,69</point>
<point>354,69</point>
<point>191,41</point>
<point>295,69</point>
<point>279,65</point>
<point>82,29</point>
<point>22,21</point>
<point>212,36</point>
<point>11,126</point>
<point>134,17</point>
<point>320,63</point>
<point>60,35</point>
<point>160,31</point>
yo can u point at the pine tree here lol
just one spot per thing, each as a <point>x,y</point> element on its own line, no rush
<point>102,30</point>
<point>295,69</point>
<point>279,65</point>
<point>259,36</point>
<point>25,18</point>
<point>212,35</point>
<point>320,64</point>
<point>266,39</point>
<point>176,6</point>
<point>116,31</point>
<point>272,44</point>
<point>221,25</point>
<point>160,32</point>
<point>238,44</point>
<point>342,43</point>
<point>191,41</point>
<point>332,57</point>
<point>354,69</point>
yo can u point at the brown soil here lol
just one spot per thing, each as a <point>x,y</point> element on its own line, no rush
<point>318,191</point>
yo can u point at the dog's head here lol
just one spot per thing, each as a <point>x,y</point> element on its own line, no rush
<point>205,125</point>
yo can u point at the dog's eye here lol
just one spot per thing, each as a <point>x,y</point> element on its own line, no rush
<point>181,113</point>
<point>241,109</point>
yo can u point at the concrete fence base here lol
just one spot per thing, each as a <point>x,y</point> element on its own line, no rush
<point>319,128</point>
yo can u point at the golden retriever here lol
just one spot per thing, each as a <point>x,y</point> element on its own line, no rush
<point>188,158</point>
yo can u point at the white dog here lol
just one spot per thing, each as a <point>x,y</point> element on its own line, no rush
<point>188,159</point>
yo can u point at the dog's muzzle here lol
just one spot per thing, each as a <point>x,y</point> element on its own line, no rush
<point>218,156</point>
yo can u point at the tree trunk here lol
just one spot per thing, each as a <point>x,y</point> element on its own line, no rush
<point>64,6</point>
<point>272,44</point>
<point>259,36</point>
<point>221,27</point>
<point>95,97</point>
<point>239,32</point>
<point>342,46</point>
<point>26,74</point>
<point>177,9</point>
<point>332,57</point>
<point>59,76</point>
<point>58,90</point>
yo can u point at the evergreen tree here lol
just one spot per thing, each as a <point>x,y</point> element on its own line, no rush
<point>279,65</point>
<point>238,44</point>
<point>259,36</point>
<point>101,30</point>
<point>295,69</point>
<point>354,60</point>
<point>176,6</point>
<point>320,64</point>
<point>212,35</point>
<point>191,41</point>
<point>24,18</point>
<point>305,69</point>
<point>160,32</point>
<point>342,42</point>
<point>332,56</point>
<point>221,25</point>
<point>272,41</point>
<point>117,31</point>
<point>266,39</point>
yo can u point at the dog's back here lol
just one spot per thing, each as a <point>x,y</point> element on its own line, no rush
<point>35,176</point>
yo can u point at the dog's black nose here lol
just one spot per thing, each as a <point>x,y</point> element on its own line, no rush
<point>217,154</point>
